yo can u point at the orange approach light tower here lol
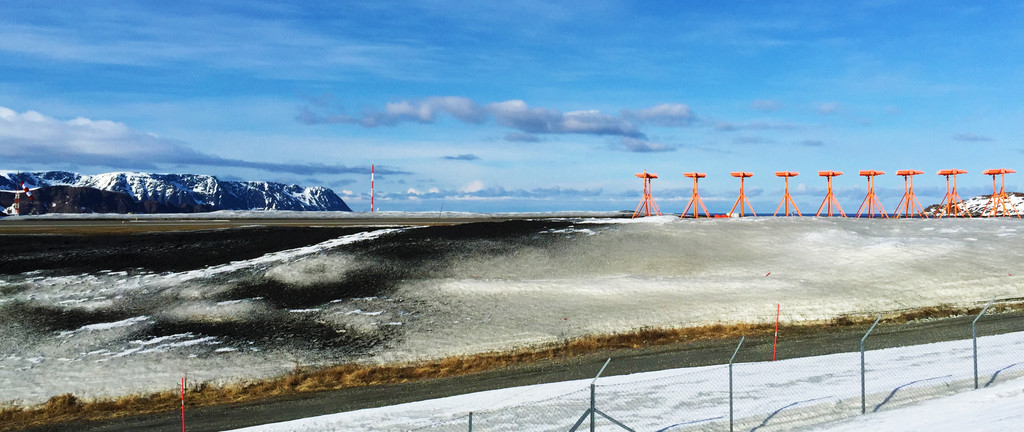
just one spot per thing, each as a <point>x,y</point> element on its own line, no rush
<point>952,198</point>
<point>830,198</point>
<point>909,200</point>
<point>743,196</point>
<point>999,199</point>
<point>871,200</point>
<point>647,204</point>
<point>695,198</point>
<point>787,199</point>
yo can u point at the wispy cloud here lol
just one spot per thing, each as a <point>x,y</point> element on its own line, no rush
<point>218,36</point>
<point>515,114</point>
<point>662,115</point>
<point>34,138</point>
<point>971,137</point>
<point>724,126</point>
<point>636,145</point>
<point>765,105</point>
<point>521,137</point>
<point>828,108</point>
<point>425,111</point>
<point>476,190</point>
<point>463,157</point>
<point>752,140</point>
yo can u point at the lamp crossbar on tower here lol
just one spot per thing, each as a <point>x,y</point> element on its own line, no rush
<point>952,199</point>
<point>743,196</point>
<point>787,199</point>
<point>647,204</point>
<point>695,200</point>
<point>909,201</point>
<point>830,198</point>
<point>871,200</point>
<point>999,199</point>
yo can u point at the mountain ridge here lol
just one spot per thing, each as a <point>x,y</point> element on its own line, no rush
<point>68,192</point>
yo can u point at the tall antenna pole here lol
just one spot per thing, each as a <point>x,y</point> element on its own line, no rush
<point>372,169</point>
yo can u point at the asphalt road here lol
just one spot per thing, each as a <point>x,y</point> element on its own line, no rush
<point>127,224</point>
<point>792,343</point>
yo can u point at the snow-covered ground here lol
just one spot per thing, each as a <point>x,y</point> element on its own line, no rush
<point>815,393</point>
<point>477,294</point>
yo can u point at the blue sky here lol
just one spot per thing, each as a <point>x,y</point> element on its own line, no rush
<point>520,105</point>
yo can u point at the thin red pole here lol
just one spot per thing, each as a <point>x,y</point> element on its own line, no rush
<point>371,187</point>
<point>778,308</point>
<point>182,404</point>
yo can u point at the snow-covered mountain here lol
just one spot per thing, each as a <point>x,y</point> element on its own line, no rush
<point>982,206</point>
<point>174,192</point>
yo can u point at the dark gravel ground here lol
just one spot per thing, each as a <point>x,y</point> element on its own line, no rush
<point>158,252</point>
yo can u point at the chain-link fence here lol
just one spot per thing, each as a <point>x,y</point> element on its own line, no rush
<point>757,396</point>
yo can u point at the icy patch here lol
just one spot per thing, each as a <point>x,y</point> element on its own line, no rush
<point>106,326</point>
<point>312,270</point>
<point>276,257</point>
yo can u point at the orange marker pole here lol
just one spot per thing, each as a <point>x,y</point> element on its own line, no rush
<point>778,308</point>
<point>999,199</point>
<point>787,199</point>
<point>647,203</point>
<point>743,196</point>
<point>830,198</point>
<point>871,200</point>
<point>910,200</point>
<point>695,200</point>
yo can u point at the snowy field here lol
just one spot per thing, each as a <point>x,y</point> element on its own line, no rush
<point>410,294</point>
<point>815,393</point>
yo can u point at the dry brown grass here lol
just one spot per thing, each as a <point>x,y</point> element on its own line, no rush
<point>67,407</point>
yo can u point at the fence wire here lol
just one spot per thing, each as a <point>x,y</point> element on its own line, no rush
<point>768,396</point>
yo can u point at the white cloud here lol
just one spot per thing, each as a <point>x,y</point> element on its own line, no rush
<point>828,108</point>
<point>643,146</point>
<point>474,186</point>
<point>757,125</point>
<point>423,111</point>
<point>34,138</point>
<point>663,115</point>
<point>512,113</point>
<point>517,114</point>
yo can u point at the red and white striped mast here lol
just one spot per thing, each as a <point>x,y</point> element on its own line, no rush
<point>17,198</point>
<point>371,187</point>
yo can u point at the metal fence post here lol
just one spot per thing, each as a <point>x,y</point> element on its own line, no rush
<point>974,336</point>
<point>730,379</point>
<point>592,412</point>
<point>863,387</point>
<point>592,407</point>
<point>471,421</point>
<point>593,403</point>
